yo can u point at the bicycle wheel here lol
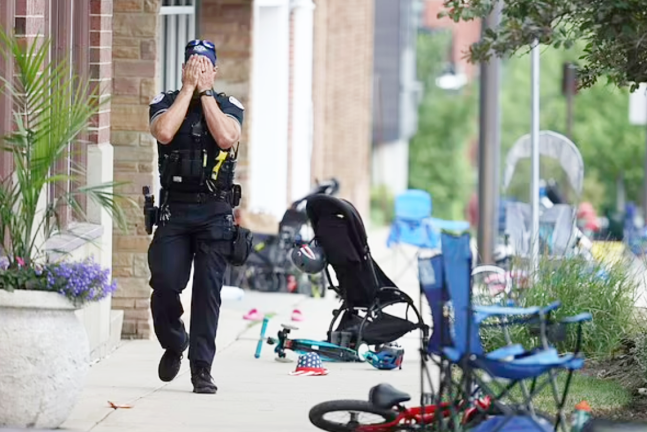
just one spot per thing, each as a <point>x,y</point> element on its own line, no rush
<point>349,412</point>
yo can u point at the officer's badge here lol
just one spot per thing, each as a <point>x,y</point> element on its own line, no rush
<point>157,98</point>
<point>236,102</point>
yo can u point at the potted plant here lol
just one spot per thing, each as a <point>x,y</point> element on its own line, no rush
<point>44,350</point>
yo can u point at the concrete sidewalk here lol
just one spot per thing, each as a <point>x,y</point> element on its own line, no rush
<point>254,394</point>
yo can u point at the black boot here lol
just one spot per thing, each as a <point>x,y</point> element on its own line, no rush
<point>170,363</point>
<point>202,380</point>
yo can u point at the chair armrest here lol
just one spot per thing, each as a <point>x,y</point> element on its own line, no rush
<point>484,312</point>
<point>579,318</point>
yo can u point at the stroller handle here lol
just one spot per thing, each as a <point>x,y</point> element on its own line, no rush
<point>326,187</point>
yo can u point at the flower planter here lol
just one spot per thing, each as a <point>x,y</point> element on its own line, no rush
<point>44,359</point>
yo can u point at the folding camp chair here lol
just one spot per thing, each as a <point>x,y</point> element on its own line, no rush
<point>411,226</point>
<point>456,340</point>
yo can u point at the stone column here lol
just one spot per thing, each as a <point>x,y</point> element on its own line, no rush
<point>135,27</point>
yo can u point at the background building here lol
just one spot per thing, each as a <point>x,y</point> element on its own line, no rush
<point>396,90</point>
<point>86,27</point>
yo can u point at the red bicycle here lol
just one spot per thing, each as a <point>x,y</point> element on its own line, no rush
<point>385,406</point>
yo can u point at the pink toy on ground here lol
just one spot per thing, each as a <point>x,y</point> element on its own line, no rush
<point>297,315</point>
<point>253,315</point>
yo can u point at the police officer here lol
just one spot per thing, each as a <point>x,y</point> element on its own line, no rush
<point>196,131</point>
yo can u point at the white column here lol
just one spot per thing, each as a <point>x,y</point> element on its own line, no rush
<point>269,102</point>
<point>302,117</point>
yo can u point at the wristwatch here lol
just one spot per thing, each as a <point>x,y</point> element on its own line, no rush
<point>207,93</point>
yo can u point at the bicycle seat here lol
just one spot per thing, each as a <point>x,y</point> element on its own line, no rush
<point>601,425</point>
<point>386,396</point>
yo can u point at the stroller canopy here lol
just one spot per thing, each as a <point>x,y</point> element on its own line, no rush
<point>554,146</point>
<point>557,223</point>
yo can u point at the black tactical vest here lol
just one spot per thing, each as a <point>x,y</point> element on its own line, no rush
<point>192,160</point>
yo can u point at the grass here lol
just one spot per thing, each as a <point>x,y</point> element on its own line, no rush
<point>603,395</point>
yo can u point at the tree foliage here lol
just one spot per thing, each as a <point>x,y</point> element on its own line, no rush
<point>613,32</point>
<point>438,158</point>
<point>609,144</point>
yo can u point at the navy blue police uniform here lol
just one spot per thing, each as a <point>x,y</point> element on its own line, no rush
<point>196,226</point>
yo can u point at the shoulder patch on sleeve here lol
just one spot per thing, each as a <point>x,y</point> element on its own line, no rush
<point>157,98</point>
<point>236,102</point>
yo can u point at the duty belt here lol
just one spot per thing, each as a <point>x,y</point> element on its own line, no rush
<point>196,197</point>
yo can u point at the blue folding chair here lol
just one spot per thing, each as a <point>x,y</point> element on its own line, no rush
<point>411,225</point>
<point>446,282</point>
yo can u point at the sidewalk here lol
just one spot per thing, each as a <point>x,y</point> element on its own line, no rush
<point>254,394</point>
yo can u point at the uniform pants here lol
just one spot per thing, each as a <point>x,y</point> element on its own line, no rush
<point>202,234</point>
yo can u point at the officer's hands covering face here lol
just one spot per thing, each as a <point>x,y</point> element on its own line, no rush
<point>207,74</point>
<point>191,72</point>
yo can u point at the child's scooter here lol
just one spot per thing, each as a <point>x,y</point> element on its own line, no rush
<point>327,351</point>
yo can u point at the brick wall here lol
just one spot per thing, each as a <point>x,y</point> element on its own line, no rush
<point>134,56</point>
<point>342,93</point>
<point>228,24</point>
<point>30,19</point>
<point>465,33</point>
<point>27,19</point>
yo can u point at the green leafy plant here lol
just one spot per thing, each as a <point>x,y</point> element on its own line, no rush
<point>382,205</point>
<point>609,144</point>
<point>612,30</point>
<point>608,291</point>
<point>51,108</point>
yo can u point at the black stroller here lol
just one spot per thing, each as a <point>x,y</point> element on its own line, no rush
<point>362,285</point>
<point>268,268</point>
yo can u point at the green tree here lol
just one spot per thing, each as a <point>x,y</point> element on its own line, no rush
<point>438,159</point>
<point>609,145</point>
<point>612,31</point>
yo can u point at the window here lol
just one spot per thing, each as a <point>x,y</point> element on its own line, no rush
<point>69,29</point>
<point>178,21</point>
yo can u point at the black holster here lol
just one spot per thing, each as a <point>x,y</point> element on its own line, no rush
<point>241,246</point>
<point>235,196</point>
<point>151,211</point>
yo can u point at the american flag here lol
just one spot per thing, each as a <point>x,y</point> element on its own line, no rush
<point>309,365</point>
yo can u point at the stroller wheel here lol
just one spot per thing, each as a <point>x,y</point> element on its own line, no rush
<point>349,415</point>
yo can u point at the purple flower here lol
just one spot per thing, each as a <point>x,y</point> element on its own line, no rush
<point>80,281</point>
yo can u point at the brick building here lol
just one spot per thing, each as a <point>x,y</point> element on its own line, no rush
<point>305,88</point>
<point>86,26</point>
<point>306,92</point>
